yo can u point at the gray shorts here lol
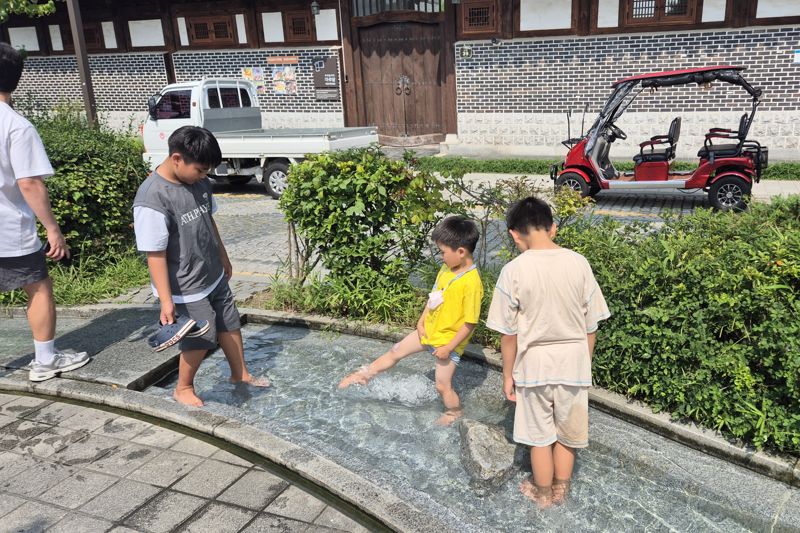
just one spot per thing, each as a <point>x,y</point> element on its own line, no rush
<point>219,309</point>
<point>17,272</point>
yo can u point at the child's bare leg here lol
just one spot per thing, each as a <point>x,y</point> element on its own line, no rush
<point>539,487</point>
<point>445,368</point>
<point>564,462</point>
<point>188,364</point>
<point>233,348</point>
<point>409,345</point>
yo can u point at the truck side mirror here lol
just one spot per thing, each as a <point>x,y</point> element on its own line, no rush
<point>152,103</point>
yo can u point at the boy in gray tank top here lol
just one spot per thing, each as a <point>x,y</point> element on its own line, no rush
<point>189,267</point>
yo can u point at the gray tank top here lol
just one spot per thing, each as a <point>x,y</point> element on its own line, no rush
<point>193,259</point>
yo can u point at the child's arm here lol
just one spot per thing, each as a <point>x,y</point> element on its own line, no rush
<point>157,263</point>
<point>592,338</point>
<point>443,352</point>
<point>508,347</point>
<point>421,323</point>
<point>223,253</point>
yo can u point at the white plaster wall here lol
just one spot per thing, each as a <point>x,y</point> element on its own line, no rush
<point>540,134</point>
<point>777,8</point>
<point>327,25</point>
<point>714,10</point>
<point>109,36</point>
<point>146,33</point>
<point>55,37</point>
<point>273,27</point>
<point>183,32</point>
<point>24,37</point>
<point>545,14</point>
<point>608,14</point>
<point>240,29</point>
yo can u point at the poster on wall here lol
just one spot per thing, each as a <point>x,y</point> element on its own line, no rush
<point>256,75</point>
<point>284,74</point>
<point>326,78</point>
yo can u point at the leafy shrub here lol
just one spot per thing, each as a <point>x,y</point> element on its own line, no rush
<point>357,208</point>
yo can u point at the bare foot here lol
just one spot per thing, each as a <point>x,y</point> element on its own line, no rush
<point>359,377</point>
<point>560,491</point>
<point>249,379</point>
<point>449,417</point>
<point>186,396</point>
<point>541,496</point>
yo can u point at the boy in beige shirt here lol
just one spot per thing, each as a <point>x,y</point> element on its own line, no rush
<point>546,305</point>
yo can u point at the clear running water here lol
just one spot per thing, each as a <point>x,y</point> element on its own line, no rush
<point>627,480</point>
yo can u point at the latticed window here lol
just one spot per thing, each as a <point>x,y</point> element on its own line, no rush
<point>364,8</point>
<point>297,26</point>
<point>210,30</point>
<point>479,16</point>
<point>92,35</point>
<point>660,11</point>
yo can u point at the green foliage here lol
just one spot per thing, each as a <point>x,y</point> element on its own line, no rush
<point>97,172</point>
<point>357,208</point>
<point>31,8</point>
<point>704,317</point>
<point>461,165</point>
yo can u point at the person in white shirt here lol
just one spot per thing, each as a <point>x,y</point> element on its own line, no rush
<point>23,199</point>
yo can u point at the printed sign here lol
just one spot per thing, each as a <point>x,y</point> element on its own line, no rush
<point>326,72</point>
<point>797,56</point>
<point>283,60</point>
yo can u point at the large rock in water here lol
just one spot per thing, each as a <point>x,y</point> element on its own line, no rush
<point>486,454</point>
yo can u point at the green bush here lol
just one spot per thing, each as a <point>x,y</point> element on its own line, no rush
<point>357,208</point>
<point>462,165</point>
<point>97,172</point>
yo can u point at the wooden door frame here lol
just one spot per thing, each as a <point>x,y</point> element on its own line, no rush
<point>355,110</point>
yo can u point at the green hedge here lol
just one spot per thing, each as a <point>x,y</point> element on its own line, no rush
<point>462,165</point>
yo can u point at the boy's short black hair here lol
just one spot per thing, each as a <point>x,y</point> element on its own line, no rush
<point>11,62</point>
<point>195,145</point>
<point>529,213</point>
<point>457,232</point>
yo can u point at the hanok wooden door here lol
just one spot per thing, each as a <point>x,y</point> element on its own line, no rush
<point>401,79</point>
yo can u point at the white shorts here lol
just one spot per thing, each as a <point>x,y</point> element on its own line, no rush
<point>550,413</point>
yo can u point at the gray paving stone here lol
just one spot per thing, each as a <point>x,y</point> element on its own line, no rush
<point>332,518</point>
<point>194,447</point>
<point>5,398</point>
<point>12,464</point>
<point>254,490</point>
<point>88,419</point>
<point>124,460</point>
<point>123,529</point>
<point>296,503</point>
<point>164,512</point>
<point>6,420</point>
<point>32,517</point>
<point>157,436</point>
<point>77,523</point>
<point>209,478</point>
<point>17,432</point>
<point>88,450</point>
<point>37,479</point>
<point>77,489</point>
<point>22,405</point>
<point>48,442</point>
<point>123,428</point>
<point>119,500</point>
<point>55,413</point>
<point>267,523</point>
<point>228,457</point>
<point>219,518</point>
<point>8,503</point>
<point>166,469</point>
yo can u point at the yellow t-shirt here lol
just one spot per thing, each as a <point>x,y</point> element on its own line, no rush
<point>462,304</point>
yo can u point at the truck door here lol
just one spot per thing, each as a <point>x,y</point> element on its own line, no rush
<point>173,110</point>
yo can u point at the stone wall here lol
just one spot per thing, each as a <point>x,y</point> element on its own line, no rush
<point>513,97</point>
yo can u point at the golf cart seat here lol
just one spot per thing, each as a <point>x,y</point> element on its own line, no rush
<point>711,150</point>
<point>660,154</point>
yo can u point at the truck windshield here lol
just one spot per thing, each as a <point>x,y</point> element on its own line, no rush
<point>175,104</point>
<point>227,97</point>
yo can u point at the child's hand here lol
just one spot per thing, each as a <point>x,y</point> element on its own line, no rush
<point>167,312</point>
<point>508,389</point>
<point>421,331</point>
<point>227,267</point>
<point>442,352</point>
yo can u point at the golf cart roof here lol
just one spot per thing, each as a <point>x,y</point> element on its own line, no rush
<point>676,74</point>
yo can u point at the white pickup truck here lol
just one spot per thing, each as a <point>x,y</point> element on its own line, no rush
<point>229,108</point>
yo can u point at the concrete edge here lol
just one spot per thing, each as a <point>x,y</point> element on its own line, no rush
<point>380,504</point>
<point>781,467</point>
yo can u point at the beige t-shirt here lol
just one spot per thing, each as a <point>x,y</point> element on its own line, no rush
<point>550,300</point>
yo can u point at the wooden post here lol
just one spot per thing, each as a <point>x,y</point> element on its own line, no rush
<point>76,26</point>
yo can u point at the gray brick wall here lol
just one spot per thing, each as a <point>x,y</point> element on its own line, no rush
<point>551,74</point>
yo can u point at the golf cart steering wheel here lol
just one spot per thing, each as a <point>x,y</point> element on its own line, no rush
<point>618,133</point>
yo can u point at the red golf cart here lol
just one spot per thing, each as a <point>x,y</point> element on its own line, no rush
<point>729,162</point>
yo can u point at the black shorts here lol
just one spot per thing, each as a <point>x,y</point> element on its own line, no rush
<point>219,308</point>
<point>18,272</point>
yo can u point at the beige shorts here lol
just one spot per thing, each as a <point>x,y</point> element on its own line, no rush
<point>550,413</point>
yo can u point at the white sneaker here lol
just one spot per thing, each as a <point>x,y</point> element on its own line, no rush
<point>62,362</point>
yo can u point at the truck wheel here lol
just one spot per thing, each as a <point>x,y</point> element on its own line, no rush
<point>574,181</point>
<point>729,193</point>
<point>275,179</point>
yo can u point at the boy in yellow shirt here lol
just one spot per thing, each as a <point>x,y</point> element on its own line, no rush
<point>449,317</point>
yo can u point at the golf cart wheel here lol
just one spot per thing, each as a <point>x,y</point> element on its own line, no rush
<point>573,181</point>
<point>275,178</point>
<point>729,193</point>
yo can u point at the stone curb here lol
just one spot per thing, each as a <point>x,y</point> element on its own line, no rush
<point>781,467</point>
<point>371,499</point>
